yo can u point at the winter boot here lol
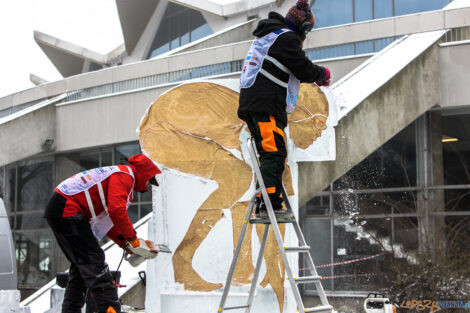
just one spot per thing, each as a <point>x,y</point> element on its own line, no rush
<point>276,202</point>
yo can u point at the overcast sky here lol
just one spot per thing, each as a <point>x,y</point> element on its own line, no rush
<point>89,23</point>
<point>93,24</point>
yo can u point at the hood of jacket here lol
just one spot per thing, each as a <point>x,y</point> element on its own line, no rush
<point>275,21</point>
<point>143,169</point>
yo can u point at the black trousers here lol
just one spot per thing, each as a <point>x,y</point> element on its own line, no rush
<point>88,268</point>
<point>268,133</point>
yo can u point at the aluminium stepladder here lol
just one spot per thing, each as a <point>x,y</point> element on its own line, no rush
<point>272,221</point>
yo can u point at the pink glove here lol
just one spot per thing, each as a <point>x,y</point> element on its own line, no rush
<point>326,80</point>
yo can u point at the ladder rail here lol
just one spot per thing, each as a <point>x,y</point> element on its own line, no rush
<point>310,264</point>
<point>233,265</point>
<point>302,248</point>
<point>259,261</point>
<point>275,227</point>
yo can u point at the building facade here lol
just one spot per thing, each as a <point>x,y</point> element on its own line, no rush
<point>411,192</point>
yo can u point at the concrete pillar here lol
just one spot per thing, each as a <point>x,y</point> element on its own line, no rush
<point>430,173</point>
<point>437,223</point>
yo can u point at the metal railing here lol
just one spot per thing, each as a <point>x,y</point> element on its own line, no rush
<point>457,34</point>
<point>155,80</point>
<point>357,48</point>
<point>16,108</point>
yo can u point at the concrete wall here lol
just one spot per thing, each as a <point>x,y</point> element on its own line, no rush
<point>454,68</point>
<point>24,136</point>
<point>383,114</point>
<point>102,121</point>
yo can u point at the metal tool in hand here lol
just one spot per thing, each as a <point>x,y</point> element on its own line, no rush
<point>144,251</point>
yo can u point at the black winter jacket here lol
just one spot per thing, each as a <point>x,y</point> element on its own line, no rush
<point>265,95</point>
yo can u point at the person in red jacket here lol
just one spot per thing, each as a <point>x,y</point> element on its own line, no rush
<point>81,211</point>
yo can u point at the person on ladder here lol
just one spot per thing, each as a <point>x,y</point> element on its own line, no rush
<point>269,86</point>
<point>81,211</point>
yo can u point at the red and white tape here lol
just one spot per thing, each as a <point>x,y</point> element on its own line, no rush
<point>348,276</point>
<point>346,262</point>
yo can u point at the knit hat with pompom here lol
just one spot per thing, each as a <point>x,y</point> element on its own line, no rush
<point>299,13</point>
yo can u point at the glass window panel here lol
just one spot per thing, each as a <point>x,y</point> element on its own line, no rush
<point>454,200</point>
<point>22,245</point>
<point>392,165</point>
<point>5,112</point>
<point>362,10</point>
<point>175,43</point>
<point>363,239</point>
<point>45,252</point>
<point>184,39</point>
<point>30,221</point>
<point>383,8</point>
<point>196,20</point>
<point>382,43</point>
<point>94,67</point>
<point>174,32</point>
<point>348,49</point>
<point>30,260</point>
<point>67,165</point>
<point>145,209</point>
<point>350,205</point>
<point>106,157</point>
<point>89,159</point>
<point>2,182</point>
<point>174,9</point>
<point>325,16</point>
<point>162,49</point>
<point>135,197</point>
<point>455,234</point>
<point>345,204</point>
<point>161,42</point>
<point>146,196</point>
<point>318,236</point>
<point>133,213</point>
<point>456,149</point>
<point>319,205</point>
<point>34,184</point>
<point>184,27</point>
<point>179,27</point>
<point>409,7</point>
<point>10,188</point>
<point>364,47</point>
<point>405,234</point>
<point>122,152</point>
<point>201,32</point>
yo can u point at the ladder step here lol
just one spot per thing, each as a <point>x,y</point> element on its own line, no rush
<point>236,307</point>
<point>297,249</point>
<point>307,279</point>
<point>267,221</point>
<point>325,308</point>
